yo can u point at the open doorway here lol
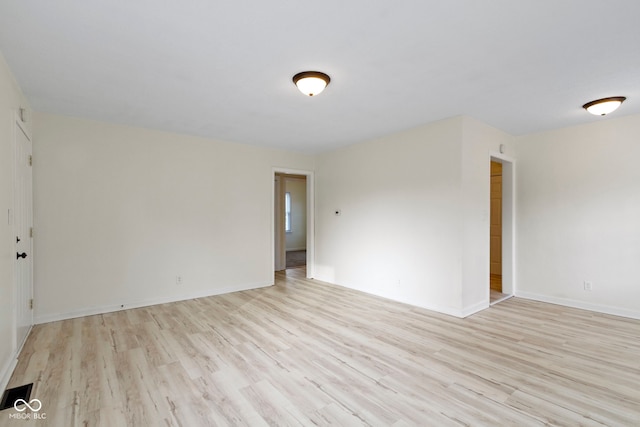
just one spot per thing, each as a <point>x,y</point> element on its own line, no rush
<point>501,270</point>
<point>495,269</point>
<point>293,221</point>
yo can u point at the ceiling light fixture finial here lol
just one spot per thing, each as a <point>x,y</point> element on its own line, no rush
<point>604,106</point>
<point>311,83</point>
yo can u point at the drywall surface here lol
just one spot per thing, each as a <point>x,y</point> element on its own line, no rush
<point>578,211</point>
<point>414,215</point>
<point>479,142</point>
<point>128,216</point>
<point>398,233</point>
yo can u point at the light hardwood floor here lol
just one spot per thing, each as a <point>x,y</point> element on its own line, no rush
<point>308,353</point>
<point>496,297</point>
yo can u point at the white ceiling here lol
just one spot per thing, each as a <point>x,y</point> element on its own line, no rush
<point>223,69</point>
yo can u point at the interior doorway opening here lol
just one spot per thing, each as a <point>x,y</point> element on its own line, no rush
<point>293,221</point>
<point>295,218</point>
<point>502,217</point>
<point>495,269</point>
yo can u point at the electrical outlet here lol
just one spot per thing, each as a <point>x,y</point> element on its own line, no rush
<point>588,286</point>
<point>178,280</point>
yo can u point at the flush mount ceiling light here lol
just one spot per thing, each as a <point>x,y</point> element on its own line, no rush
<point>601,107</point>
<point>311,83</point>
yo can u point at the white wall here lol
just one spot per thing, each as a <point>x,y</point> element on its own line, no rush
<point>414,225</point>
<point>121,211</point>
<point>578,211</point>
<point>11,99</point>
<point>399,232</point>
<point>479,141</point>
<point>297,238</point>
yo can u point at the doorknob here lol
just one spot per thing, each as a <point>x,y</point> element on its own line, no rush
<point>21,255</point>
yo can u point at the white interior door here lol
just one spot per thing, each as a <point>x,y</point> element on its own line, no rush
<point>23,222</point>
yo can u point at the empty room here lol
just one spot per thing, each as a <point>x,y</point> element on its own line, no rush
<point>411,213</point>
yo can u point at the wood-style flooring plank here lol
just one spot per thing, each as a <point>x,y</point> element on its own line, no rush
<point>304,352</point>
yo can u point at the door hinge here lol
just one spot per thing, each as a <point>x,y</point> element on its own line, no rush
<point>30,231</point>
<point>31,304</point>
<point>30,160</point>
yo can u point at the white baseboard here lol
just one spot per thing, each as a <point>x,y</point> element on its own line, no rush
<point>600,308</point>
<point>10,365</point>
<point>444,310</point>
<point>7,371</point>
<point>468,311</point>
<point>46,318</point>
